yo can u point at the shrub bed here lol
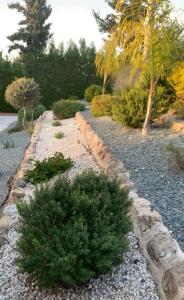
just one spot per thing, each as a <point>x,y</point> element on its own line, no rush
<point>102,105</point>
<point>48,168</point>
<point>65,109</point>
<point>92,91</point>
<point>74,230</point>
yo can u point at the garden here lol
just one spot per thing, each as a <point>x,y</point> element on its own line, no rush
<point>92,166</point>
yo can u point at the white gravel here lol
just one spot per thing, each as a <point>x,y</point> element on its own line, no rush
<point>129,281</point>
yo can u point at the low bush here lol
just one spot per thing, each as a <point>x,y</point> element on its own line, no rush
<point>59,135</point>
<point>130,108</point>
<point>56,123</point>
<point>39,110</point>
<point>73,98</point>
<point>102,105</point>
<point>73,230</point>
<point>65,109</point>
<point>179,108</point>
<point>92,91</point>
<point>46,169</point>
<point>9,144</point>
<point>177,153</point>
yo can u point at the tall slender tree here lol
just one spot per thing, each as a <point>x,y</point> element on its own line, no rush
<point>34,31</point>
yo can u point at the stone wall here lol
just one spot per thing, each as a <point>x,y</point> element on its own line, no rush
<point>166,260</point>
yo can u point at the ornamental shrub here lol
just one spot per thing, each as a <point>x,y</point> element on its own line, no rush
<point>102,105</point>
<point>177,154</point>
<point>38,111</point>
<point>48,168</point>
<point>73,230</point>
<point>92,91</point>
<point>177,80</point>
<point>130,109</point>
<point>23,92</point>
<point>65,109</point>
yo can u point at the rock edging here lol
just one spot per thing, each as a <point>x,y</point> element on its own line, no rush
<point>166,260</point>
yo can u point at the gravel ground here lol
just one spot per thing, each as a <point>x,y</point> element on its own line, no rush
<point>5,121</point>
<point>10,158</point>
<point>129,281</point>
<point>155,175</point>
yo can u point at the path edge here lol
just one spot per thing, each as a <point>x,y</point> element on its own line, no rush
<point>165,257</point>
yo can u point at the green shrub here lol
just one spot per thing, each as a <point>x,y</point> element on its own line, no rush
<point>39,110</point>
<point>65,109</point>
<point>130,109</point>
<point>48,168</point>
<point>23,92</point>
<point>74,230</point>
<point>102,105</point>
<point>59,135</point>
<point>92,91</point>
<point>179,108</point>
<point>177,154</point>
<point>56,123</point>
<point>73,98</point>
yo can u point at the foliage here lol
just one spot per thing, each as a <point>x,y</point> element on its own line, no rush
<point>33,33</point>
<point>73,98</point>
<point>130,109</point>
<point>179,108</point>
<point>176,79</point>
<point>59,135</point>
<point>65,109</point>
<point>56,123</point>
<point>73,230</point>
<point>102,105</point>
<point>92,91</point>
<point>62,72</point>
<point>9,71</point>
<point>39,110</point>
<point>9,144</point>
<point>48,168</point>
<point>177,153</point>
<point>23,92</point>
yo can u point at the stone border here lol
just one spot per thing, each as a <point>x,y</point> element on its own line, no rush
<point>166,260</point>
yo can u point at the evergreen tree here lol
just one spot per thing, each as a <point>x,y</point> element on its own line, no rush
<point>106,24</point>
<point>34,32</point>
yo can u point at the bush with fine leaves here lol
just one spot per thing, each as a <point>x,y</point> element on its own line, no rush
<point>102,105</point>
<point>23,92</point>
<point>73,231</point>
<point>65,109</point>
<point>92,91</point>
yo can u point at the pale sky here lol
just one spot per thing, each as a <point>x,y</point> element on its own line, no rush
<point>71,19</point>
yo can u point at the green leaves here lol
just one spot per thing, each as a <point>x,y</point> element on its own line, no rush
<point>48,168</point>
<point>73,231</point>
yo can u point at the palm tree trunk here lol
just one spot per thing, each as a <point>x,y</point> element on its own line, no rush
<point>146,126</point>
<point>104,84</point>
<point>24,118</point>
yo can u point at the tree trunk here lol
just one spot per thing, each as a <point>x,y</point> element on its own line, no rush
<point>24,118</point>
<point>104,83</point>
<point>146,126</point>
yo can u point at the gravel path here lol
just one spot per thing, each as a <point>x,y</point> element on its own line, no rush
<point>156,178</point>
<point>5,121</point>
<point>10,158</point>
<point>128,281</point>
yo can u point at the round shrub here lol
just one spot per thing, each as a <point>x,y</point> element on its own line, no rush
<point>102,105</point>
<point>130,109</point>
<point>23,92</point>
<point>92,91</point>
<point>73,230</point>
<point>65,109</point>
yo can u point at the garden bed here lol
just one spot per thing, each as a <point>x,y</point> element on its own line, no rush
<point>130,280</point>
<point>155,176</point>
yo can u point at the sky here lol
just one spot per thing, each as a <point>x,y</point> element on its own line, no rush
<point>71,19</point>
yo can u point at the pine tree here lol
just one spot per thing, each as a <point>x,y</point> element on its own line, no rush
<point>105,25</point>
<point>34,32</point>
